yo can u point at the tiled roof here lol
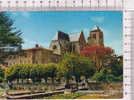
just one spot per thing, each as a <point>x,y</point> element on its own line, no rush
<point>74,37</point>
<point>38,48</point>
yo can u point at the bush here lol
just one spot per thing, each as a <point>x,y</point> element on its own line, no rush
<point>105,76</point>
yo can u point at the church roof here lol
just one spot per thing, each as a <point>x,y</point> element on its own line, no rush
<point>64,36</point>
<point>61,36</point>
<point>74,37</point>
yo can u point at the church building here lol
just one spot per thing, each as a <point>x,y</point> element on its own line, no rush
<point>61,43</point>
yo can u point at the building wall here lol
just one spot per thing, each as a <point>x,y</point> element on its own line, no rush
<point>39,56</point>
<point>95,38</point>
<point>60,46</point>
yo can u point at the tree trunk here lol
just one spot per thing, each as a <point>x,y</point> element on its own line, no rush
<point>46,80</point>
<point>67,85</point>
<point>53,83</point>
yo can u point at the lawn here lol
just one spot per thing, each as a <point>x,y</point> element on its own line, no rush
<point>100,96</point>
<point>84,96</point>
<point>65,96</point>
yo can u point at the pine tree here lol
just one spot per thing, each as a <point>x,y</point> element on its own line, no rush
<point>8,33</point>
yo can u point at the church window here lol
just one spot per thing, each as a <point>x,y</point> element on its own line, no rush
<point>54,47</point>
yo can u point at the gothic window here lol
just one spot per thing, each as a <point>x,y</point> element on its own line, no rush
<point>94,36</point>
<point>54,47</point>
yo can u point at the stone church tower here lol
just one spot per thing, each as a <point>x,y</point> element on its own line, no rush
<point>96,37</point>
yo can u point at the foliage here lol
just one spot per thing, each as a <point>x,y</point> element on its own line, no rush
<point>106,76</point>
<point>33,71</point>
<point>100,55</point>
<point>116,66</point>
<point>51,70</point>
<point>77,66</point>
<point>1,74</point>
<point>8,33</point>
<point>66,96</point>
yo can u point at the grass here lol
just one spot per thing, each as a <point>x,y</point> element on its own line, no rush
<point>65,96</point>
<point>100,96</point>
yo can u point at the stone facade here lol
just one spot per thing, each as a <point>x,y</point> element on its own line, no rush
<point>96,37</point>
<point>74,42</point>
<point>37,55</point>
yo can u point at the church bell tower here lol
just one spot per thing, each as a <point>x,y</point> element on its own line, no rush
<point>96,37</point>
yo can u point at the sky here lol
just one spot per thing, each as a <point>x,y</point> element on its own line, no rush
<point>41,27</point>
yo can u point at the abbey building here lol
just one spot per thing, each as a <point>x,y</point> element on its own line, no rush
<point>61,43</point>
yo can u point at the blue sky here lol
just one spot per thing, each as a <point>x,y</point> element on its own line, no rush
<point>40,27</point>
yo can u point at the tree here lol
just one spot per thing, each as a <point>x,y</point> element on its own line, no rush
<point>9,35</point>
<point>1,74</point>
<point>51,71</point>
<point>77,66</point>
<point>116,66</point>
<point>66,66</point>
<point>100,55</point>
<point>100,76</point>
<point>25,71</point>
<point>87,67</point>
<point>84,68</point>
<point>36,73</point>
<point>12,72</point>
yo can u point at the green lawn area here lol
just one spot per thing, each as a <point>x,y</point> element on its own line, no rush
<point>100,96</point>
<point>65,96</point>
<point>84,96</point>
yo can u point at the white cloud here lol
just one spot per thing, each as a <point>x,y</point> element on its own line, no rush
<point>26,14</point>
<point>97,19</point>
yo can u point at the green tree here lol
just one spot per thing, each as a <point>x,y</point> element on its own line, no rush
<point>116,66</point>
<point>100,76</point>
<point>8,33</point>
<point>51,71</point>
<point>65,67</point>
<point>25,71</point>
<point>88,68</point>
<point>1,74</point>
<point>36,73</point>
<point>12,73</point>
<point>77,66</point>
